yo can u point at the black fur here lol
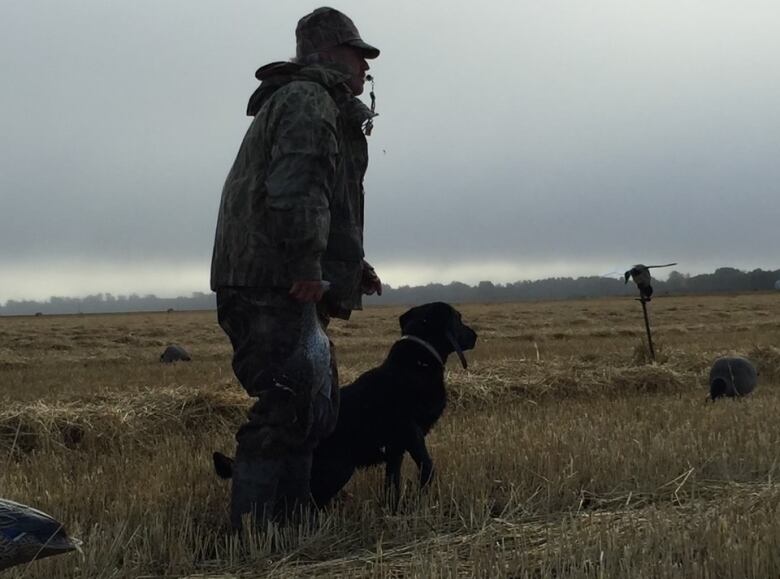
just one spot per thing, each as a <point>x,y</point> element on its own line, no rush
<point>390,409</point>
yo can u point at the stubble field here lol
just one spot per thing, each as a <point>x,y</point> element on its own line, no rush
<point>563,452</point>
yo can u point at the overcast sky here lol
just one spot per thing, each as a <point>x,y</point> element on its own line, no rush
<point>516,139</point>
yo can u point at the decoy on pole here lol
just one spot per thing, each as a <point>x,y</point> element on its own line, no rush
<point>640,273</point>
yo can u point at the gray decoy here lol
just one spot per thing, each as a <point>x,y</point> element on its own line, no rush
<point>732,377</point>
<point>174,353</point>
<point>27,534</point>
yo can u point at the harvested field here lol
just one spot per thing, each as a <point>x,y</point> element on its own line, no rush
<point>563,453</point>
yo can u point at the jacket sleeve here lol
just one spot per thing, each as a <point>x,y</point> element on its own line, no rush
<point>300,176</point>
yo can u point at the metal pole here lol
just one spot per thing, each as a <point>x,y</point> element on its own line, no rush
<point>647,327</point>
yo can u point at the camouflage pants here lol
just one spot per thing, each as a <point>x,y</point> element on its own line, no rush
<point>264,327</point>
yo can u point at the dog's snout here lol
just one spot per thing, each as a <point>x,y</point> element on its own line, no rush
<point>472,338</point>
<point>467,338</point>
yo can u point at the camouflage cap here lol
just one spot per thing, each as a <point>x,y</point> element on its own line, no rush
<point>325,28</point>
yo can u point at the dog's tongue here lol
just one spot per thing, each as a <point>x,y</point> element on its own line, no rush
<point>458,351</point>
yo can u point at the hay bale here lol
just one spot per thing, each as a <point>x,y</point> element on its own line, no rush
<point>119,418</point>
<point>562,379</point>
<point>651,378</point>
<point>11,359</point>
<point>641,353</point>
<point>767,360</point>
<point>174,353</point>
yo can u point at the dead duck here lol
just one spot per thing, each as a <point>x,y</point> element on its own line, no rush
<point>27,534</point>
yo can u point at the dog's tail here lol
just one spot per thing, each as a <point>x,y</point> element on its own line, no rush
<point>223,465</point>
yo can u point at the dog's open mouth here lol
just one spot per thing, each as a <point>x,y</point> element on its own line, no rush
<point>458,350</point>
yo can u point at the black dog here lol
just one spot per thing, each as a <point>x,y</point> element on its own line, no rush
<point>389,410</point>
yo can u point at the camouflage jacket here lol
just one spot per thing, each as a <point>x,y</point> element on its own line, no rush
<point>292,204</point>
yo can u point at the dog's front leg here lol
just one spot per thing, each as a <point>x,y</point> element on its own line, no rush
<point>394,458</point>
<point>419,453</point>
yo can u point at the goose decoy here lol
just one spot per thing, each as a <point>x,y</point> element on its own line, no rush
<point>27,534</point>
<point>732,376</point>
<point>640,273</point>
<point>174,353</point>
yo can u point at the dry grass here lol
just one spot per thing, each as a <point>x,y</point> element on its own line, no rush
<point>564,453</point>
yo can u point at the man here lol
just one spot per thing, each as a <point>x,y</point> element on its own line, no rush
<point>290,235</point>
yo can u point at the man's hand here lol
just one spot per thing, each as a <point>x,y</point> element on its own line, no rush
<point>370,283</point>
<point>308,290</point>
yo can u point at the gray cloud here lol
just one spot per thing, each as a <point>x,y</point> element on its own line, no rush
<point>519,134</point>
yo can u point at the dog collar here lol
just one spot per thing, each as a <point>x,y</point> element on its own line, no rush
<point>425,345</point>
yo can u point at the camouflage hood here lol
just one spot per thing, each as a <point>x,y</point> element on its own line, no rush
<point>275,75</point>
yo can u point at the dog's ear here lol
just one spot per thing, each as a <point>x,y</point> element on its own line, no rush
<point>410,317</point>
<point>403,319</point>
<point>410,322</point>
<point>444,316</point>
<point>433,317</point>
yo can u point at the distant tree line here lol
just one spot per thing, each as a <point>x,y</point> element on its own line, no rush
<point>107,304</point>
<point>724,279</point>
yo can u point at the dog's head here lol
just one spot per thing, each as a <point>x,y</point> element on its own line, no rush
<point>441,325</point>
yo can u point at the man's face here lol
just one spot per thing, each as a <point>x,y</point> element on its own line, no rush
<point>352,58</point>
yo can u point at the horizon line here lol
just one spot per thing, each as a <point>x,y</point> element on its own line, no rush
<point>197,293</point>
